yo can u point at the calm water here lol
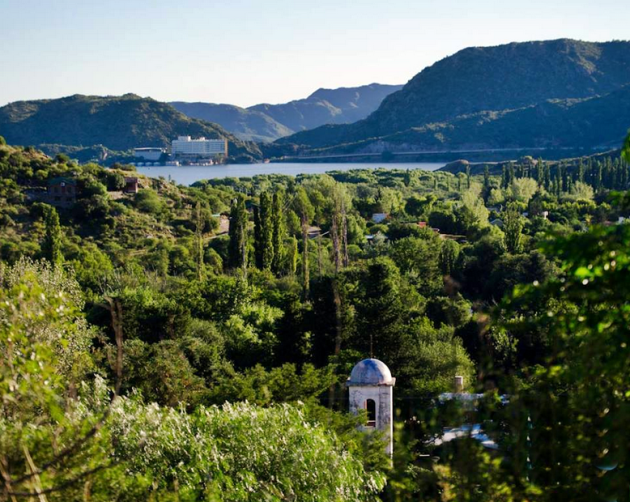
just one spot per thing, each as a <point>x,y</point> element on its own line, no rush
<point>187,175</point>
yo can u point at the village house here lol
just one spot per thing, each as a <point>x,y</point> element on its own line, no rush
<point>131,184</point>
<point>61,192</point>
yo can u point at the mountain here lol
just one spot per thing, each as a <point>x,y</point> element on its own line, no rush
<point>490,80</point>
<point>267,122</point>
<point>592,123</point>
<point>250,125</point>
<point>116,122</point>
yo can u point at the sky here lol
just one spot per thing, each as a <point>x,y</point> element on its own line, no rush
<point>245,52</point>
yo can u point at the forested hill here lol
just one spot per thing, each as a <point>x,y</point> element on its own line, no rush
<point>488,79</point>
<point>266,122</point>
<point>117,122</point>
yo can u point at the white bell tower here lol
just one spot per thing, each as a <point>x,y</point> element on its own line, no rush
<point>371,388</point>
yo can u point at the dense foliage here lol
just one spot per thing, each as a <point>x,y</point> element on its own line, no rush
<point>191,343</point>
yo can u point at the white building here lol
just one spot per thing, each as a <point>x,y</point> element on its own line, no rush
<point>371,388</point>
<point>185,146</point>
<point>150,154</point>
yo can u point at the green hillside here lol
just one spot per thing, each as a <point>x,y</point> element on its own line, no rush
<point>116,122</point>
<point>491,80</point>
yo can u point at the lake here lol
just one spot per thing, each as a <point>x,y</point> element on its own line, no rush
<point>187,175</point>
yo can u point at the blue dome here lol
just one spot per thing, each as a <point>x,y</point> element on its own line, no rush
<point>370,372</point>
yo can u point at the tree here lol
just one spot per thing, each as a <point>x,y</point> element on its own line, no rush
<point>51,247</point>
<point>448,256</point>
<point>266,231</point>
<point>513,227</point>
<point>578,429</point>
<point>237,249</point>
<point>279,233</point>
<point>305,209</point>
<point>625,149</point>
<point>523,189</point>
<point>199,254</point>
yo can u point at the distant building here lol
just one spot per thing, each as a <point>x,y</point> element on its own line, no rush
<point>186,147</point>
<point>61,192</point>
<point>131,184</point>
<point>150,154</point>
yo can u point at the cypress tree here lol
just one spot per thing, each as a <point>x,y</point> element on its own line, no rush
<point>51,247</point>
<point>199,224</point>
<point>292,257</point>
<point>511,175</point>
<point>407,178</point>
<point>540,172</point>
<point>237,248</point>
<point>512,228</point>
<point>279,233</point>
<point>258,244</point>
<point>266,228</point>
<point>468,175</point>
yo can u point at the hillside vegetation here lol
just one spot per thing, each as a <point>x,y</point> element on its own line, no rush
<point>149,353</point>
<point>450,104</point>
<point>116,122</point>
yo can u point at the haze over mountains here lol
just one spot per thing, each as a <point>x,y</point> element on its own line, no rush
<point>511,95</point>
<point>265,122</point>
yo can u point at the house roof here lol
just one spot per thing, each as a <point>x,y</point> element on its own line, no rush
<point>62,179</point>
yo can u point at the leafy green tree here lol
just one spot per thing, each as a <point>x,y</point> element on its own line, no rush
<point>51,247</point>
<point>578,429</point>
<point>449,253</point>
<point>266,231</point>
<point>237,250</point>
<point>115,182</point>
<point>148,201</point>
<point>279,233</point>
<point>513,224</point>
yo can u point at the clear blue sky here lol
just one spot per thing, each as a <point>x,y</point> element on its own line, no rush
<point>246,51</point>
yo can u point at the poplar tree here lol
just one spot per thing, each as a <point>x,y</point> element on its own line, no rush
<point>540,172</point>
<point>505,182</point>
<point>51,247</point>
<point>513,228</point>
<point>305,210</point>
<point>258,245</point>
<point>266,229</point>
<point>237,249</point>
<point>199,224</point>
<point>279,233</point>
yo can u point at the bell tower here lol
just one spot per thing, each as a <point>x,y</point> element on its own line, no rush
<point>371,388</point>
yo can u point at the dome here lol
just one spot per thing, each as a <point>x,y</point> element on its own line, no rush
<point>370,372</point>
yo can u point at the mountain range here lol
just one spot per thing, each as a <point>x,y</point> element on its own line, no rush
<point>556,95</point>
<point>266,122</point>
<point>551,94</point>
